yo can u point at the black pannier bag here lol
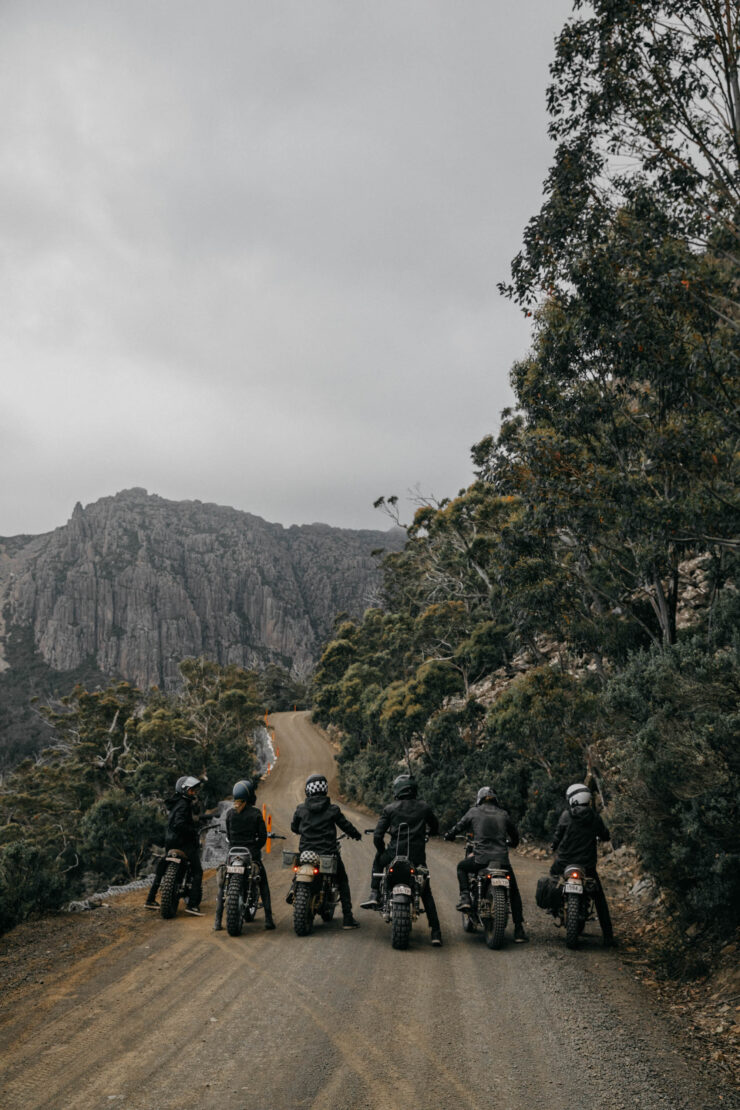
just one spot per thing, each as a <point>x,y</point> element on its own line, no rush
<point>548,896</point>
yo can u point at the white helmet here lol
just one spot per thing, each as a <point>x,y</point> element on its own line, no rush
<point>185,783</point>
<point>578,797</point>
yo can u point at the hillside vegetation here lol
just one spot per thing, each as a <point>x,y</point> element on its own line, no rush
<point>574,613</point>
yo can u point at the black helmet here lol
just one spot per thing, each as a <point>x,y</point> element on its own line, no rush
<point>486,793</point>
<point>244,790</point>
<point>185,783</point>
<point>404,787</point>
<point>316,784</point>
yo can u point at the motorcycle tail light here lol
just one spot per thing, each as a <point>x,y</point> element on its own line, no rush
<point>315,870</point>
<point>295,868</point>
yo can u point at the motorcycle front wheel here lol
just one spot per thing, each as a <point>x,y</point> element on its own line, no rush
<point>169,893</point>
<point>467,923</point>
<point>234,906</point>
<point>400,925</point>
<point>303,910</point>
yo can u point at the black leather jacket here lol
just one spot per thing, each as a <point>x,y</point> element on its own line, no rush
<point>493,831</point>
<point>316,821</point>
<point>183,823</point>
<point>419,817</point>
<point>246,829</point>
<point>575,837</point>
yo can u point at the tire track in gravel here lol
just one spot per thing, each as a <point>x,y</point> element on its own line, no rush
<point>173,1016</point>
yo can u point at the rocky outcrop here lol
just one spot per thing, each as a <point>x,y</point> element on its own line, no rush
<point>135,583</point>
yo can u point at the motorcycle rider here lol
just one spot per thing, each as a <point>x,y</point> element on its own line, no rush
<point>413,811</point>
<point>574,842</point>
<point>316,821</point>
<point>493,831</point>
<point>182,833</point>
<point>245,828</point>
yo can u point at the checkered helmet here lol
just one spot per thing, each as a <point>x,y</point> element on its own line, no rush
<point>315,785</point>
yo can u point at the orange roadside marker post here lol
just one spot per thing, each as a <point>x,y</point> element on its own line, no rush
<point>268,845</point>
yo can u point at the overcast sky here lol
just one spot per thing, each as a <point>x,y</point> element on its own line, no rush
<point>250,249</point>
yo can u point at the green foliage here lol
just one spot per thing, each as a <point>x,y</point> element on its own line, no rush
<point>93,802</point>
<point>677,719</point>
<point>618,465</point>
<point>31,881</point>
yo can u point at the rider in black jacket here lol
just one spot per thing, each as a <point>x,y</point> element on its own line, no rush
<point>574,843</point>
<point>182,832</point>
<point>316,821</point>
<point>245,828</point>
<point>493,832</point>
<point>415,813</point>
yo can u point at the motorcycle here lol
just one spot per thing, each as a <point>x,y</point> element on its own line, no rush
<point>577,891</point>
<point>242,887</point>
<point>177,879</point>
<point>176,882</point>
<point>490,908</point>
<point>401,886</point>
<point>314,891</point>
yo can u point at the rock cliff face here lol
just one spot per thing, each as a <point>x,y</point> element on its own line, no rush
<point>134,583</point>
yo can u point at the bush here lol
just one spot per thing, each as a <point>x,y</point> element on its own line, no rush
<point>30,882</point>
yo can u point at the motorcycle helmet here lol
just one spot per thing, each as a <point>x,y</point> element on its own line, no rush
<point>315,785</point>
<point>578,797</point>
<point>244,790</point>
<point>185,783</point>
<point>404,787</point>
<point>486,794</point>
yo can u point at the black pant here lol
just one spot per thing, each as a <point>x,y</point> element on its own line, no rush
<point>467,867</point>
<point>264,893</point>
<point>345,896</point>
<point>602,908</point>
<point>381,861</point>
<point>196,882</point>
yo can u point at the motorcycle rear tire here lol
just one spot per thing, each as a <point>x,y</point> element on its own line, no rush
<point>496,926</point>
<point>234,908</point>
<point>169,893</point>
<point>303,910</point>
<point>573,923</point>
<point>400,925</point>
<point>328,912</point>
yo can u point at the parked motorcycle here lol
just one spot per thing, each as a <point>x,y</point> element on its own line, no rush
<point>489,895</point>
<point>577,892</point>
<point>315,891</point>
<point>175,882</point>
<point>242,887</point>
<point>177,879</point>
<point>401,886</point>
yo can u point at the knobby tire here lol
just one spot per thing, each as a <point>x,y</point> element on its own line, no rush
<point>495,933</point>
<point>169,892</point>
<point>572,919</point>
<point>303,910</point>
<point>400,925</point>
<point>234,907</point>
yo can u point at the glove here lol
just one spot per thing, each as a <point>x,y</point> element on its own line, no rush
<point>449,836</point>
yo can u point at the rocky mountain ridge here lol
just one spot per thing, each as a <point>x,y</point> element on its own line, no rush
<point>134,583</point>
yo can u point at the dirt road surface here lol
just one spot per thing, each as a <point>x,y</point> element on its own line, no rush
<point>158,1015</point>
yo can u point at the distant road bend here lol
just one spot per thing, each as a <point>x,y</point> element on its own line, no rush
<point>174,1016</point>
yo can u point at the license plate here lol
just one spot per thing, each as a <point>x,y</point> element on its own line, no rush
<point>573,888</point>
<point>232,869</point>
<point>499,882</point>
<point>401,889</point>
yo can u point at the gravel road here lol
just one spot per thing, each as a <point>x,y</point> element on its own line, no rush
<point>167,1014</point>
